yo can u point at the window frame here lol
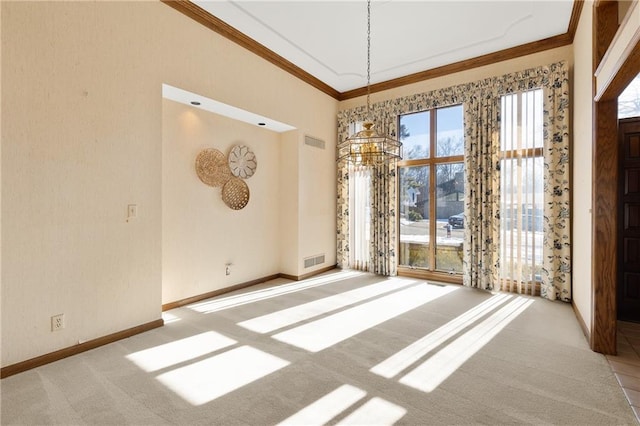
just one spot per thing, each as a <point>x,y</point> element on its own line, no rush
<point>432,162</point>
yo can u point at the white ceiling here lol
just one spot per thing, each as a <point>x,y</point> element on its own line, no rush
<point>328,39</point>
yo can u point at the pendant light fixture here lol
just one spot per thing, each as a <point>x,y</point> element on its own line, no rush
<point>367,147</point>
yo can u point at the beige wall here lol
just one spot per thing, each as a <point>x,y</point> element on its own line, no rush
<point>582,161</point>
<point>289,196</point>
<point>317,213</point>
<point>82,138</point>
<point>200,234</point>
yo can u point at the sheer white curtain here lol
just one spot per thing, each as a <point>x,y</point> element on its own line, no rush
<point>359,217</point>
<point>522,192</point>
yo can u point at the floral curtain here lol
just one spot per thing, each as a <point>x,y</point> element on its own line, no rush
<point>383,202</point>
<point>481,99</point>
<point>556,272</point>
<point>383,220</point>
<point>554,81</point>
<point>384,180</point>
<point>481,255</point>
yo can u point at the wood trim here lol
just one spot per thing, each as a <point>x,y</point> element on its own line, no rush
<point>213,23</point>
<point>581,322</point>
<point>217,25</point>
<point>522,153</point>
<point>627,64</point>
<point>308,275</point>
<point>428,161</point>
<point>290,277</point>
<point>20,367</point>
<point>606,21</point>
<point>479,61</point>
<point>575,18</point>
<point>39,361</point>
<point>605,203</point>
<point>615,37</point>
<point>626,70</point>
<point>424,274</point>
<point>605,226</point>
<point>214,293</point>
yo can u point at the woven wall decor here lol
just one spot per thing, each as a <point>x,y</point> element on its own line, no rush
<point>212,167</point>
<point>242,161</point>
<point>235,193</point>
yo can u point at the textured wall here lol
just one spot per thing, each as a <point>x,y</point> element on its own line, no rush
<point>82,138</point>
<point>199,232</point>
<point>582,162</point>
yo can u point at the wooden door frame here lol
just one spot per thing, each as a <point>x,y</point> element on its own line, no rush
<point>605,202</point>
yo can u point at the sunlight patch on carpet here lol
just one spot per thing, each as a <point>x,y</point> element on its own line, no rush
<point>178,351</point>
<point>403,359</point>
<point>326,408</point>
<point>376,411</point>
<point>276,320</point>
<point>204,381</point>
<point>430,374</point>
<point>326,332</point>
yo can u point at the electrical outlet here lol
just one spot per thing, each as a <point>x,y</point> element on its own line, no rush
<point>57,322</point>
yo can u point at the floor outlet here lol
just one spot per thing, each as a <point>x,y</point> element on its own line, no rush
<point>57,322</point>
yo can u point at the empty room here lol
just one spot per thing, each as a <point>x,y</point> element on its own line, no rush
<point>307,212</point>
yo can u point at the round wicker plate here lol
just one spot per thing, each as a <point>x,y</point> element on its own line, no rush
<point>212,167</point>
<point>242,161</point>
<point>235,193</point>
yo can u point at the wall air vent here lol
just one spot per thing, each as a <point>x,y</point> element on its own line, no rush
<point>311,141</point>
<point>313,261</point>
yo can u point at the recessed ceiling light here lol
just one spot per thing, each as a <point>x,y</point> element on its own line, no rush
<point>195,103</point>
<point>262,124</point>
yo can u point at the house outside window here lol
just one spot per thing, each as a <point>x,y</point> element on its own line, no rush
<point>431,192</point>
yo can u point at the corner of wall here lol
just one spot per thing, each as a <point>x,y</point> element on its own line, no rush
<point>289,202</point>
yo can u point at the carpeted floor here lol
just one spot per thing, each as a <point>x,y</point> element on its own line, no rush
<point>344,347</point>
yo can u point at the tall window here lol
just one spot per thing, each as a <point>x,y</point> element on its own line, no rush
<point>521,198</point>
<point>360,211</point>
<point>359,217</point>
<point>431,190</point>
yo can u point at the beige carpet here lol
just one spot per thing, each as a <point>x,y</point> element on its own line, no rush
<point>342,348</point>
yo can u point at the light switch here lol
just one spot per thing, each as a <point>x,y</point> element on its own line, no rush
<point>132,211</point>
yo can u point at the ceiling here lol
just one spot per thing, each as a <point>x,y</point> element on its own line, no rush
<point>328,39</point>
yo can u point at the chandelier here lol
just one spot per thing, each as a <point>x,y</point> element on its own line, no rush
<point>367,147</point>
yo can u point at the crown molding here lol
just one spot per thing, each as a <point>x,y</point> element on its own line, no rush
<point>215,24</point>
<point>203,17</point>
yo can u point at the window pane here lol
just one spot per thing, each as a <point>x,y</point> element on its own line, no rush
<point>359,216</point>
<point>414,216</point>
<point>450,135</point>
<point>414,135</point>
<point>629,100</point>
<point>522,193</point>
<point>521,121</point>
<point>521,219</point>
<point>449,214</point>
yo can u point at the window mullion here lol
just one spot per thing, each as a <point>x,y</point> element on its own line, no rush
<point>432,192</point>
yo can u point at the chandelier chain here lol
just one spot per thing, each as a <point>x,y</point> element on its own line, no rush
<point>368,57</point>
<point>367,147</point>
